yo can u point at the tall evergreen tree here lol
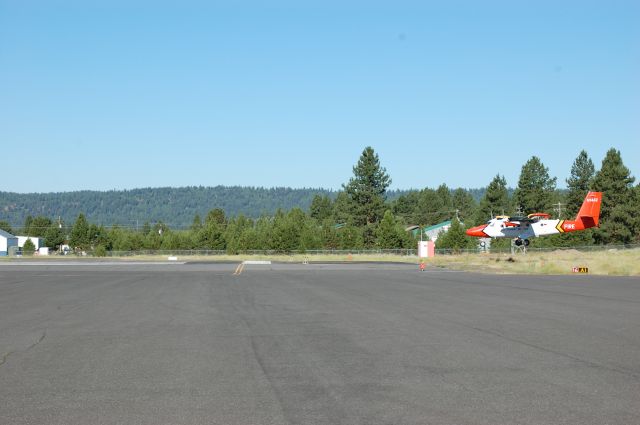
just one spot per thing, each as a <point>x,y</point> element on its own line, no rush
<point>216,215</point>
<point>464,204</point>
<point>495,200</point>
<point>635,206</point>
<point>405,207</point>
<point>54,236</point>
<point>536,188</point>
<point>578,183</point>
<point>212,235</point>
<point>351,237</point>
<point>196,225</point>
<point>320,208</point>
<point>343,208</point>
<point>80,237</point>
<point>38,226</point>
<point>431,208</point>
<point>286,229</point>
<point>617,216</point>
<point>5,226</point>
<point>27,224</point>
<point>444,193</point>
<point>387,235</point>
<point>367,188</point>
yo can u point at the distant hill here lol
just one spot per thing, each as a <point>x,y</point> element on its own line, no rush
<point>174,206</point>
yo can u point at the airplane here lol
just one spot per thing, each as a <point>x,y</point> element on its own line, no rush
<point>540,224</point>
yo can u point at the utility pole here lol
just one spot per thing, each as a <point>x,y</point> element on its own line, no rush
<point>558,209</point>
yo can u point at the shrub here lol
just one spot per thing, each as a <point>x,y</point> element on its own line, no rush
<point>100,251</point>
<point>29,248</point>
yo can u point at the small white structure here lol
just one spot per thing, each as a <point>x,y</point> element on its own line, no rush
<point>7,240</point>
<point>37,242</point>
<point>426,249</point>
<point>43,250</point>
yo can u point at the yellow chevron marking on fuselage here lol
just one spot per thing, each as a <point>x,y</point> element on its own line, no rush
<point>559,226</point>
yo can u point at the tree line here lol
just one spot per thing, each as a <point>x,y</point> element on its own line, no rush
<point>175,205</point>
<point>362,215</point>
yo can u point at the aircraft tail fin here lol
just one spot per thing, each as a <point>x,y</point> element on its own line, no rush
<point>589,214</point>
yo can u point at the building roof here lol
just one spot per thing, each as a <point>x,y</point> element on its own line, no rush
<point>6,234</point>
<point>437,226</point>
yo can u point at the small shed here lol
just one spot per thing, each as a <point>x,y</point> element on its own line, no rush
<point>7,240</point>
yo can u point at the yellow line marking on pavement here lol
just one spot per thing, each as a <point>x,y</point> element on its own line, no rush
<point>239,269</point>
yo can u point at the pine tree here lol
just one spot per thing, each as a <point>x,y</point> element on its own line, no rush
<point>431,208</point>
<point>387,236</point>
<point>38,226</point>
<point>495,200</point>
<point>27,224</point>
<point>54,236</point>
<point>444,193</point>
<point>578,184</point>
<point>455,238</point>
<point>405,207</point>
<point>463,203</point>
<point>80,237</point>
<point>351,237</point>
<point>29,247</point>
<point>617,215</point>
<point>635,206</point>
<point>320,208</point>
<point>285,235</point>
<point>367,189</point>
<point>535,191</point>
<point>217,216</point>
<point>197,223</point>
<point>211,236</point>
<point>5,226</point>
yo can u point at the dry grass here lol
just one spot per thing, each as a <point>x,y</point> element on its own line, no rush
<point>605,262</point>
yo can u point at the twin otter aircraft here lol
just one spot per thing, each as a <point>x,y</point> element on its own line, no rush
<point>539,224</point>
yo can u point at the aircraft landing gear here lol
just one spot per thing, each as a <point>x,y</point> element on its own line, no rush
<point>518,244</point>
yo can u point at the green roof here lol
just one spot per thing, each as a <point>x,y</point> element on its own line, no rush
<point>437,226</point>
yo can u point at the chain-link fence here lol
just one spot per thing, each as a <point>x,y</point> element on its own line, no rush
<point>507,250</point>
<point>264,252</point>
<point>355,252</point>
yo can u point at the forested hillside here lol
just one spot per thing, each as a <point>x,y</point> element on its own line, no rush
<point>365,214</point>
<point>175,206</point>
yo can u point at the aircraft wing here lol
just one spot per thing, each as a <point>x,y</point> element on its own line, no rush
<point>518,219</point>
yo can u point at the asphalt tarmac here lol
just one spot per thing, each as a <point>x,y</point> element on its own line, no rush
<point>314,344</point>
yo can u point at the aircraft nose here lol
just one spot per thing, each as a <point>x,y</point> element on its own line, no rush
<point>477,231</point>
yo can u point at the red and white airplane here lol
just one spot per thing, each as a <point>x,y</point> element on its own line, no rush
<point>540,224</point>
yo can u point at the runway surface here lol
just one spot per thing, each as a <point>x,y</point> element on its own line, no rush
<point>314,344</point>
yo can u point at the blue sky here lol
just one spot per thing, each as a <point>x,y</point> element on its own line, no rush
<point>125,94</point>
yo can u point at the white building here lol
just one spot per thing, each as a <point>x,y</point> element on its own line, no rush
<point>434,231</point>
<point>38,242</point>
<point>7,240</point>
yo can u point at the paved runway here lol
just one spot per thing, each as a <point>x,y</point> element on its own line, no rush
<point>314,344</point>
